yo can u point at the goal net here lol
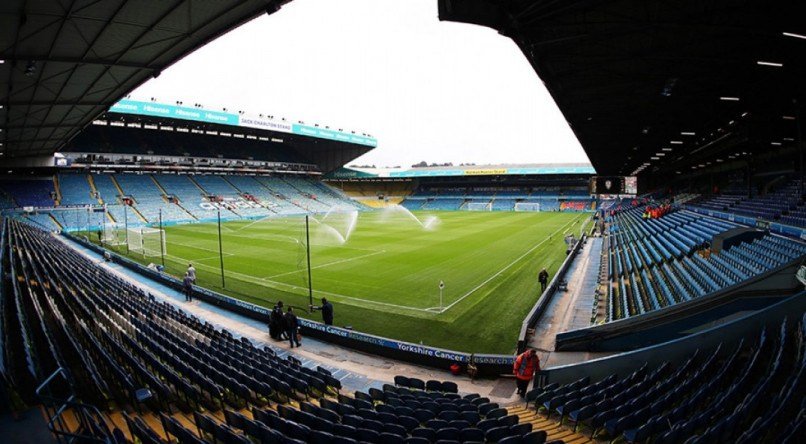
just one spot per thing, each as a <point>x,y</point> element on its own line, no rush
<point>112,234</point>
<point>147,241</point>
<point>479,206</point>
<point>527,206</point>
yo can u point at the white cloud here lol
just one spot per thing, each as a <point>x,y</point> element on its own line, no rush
<point>427,90</point>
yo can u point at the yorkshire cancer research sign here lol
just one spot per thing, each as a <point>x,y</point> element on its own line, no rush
<point>154,109</point>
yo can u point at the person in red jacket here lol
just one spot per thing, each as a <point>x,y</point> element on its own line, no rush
<point>526,364</point>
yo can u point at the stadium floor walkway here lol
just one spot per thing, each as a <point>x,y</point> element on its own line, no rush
<point>355,370</point>
<point>29,427</point>
<point>570,310</point>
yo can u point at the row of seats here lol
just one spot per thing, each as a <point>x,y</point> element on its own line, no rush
<point>657,263</point>
<point>742,393</point>
<point>28,192</point>
<point>117,340</point>
<point>554,194</point>
<point>453,203</point>
<point>443,204</point>
<point>785,204</point>
<point>75,190</point>
<point>176,198</point>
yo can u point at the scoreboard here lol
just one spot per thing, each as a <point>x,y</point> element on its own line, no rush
<point>614,185</point>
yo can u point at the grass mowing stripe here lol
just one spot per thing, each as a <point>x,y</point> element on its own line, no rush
<point>505,268</point>
<point>302,290</point>
<point>341,261</point>
<point>491,259</point>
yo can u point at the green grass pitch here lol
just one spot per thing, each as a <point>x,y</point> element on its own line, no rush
<point>381,269</point>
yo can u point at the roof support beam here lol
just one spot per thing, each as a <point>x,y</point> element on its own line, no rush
<point>31,128</point>
<point>54,103</point>
<point>76,61</point>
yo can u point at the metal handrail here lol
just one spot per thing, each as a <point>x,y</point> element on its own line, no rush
<point>89,417</point>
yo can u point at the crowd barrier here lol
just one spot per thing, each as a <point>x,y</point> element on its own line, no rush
<point>674,351</point>
<point>542,302</point>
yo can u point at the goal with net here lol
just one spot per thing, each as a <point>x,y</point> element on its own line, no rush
<point>147,241</point>
<point>112,234</point>
<point>527,206</point>
<point>479,206</point>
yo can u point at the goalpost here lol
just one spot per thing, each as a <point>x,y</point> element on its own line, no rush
<point>479,206</point>
<point>527,206</point>
<point>147,241</point>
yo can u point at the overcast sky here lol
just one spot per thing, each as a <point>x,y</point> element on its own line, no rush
<point>427,90</point>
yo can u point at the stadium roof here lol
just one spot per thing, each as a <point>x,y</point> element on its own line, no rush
<point>656,85</point>
<point>64,63</point>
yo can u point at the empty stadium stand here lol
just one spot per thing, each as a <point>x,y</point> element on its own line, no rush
<point>125,348</point>
<point>368,192</point>
<point>148,198</point>
<point>122,347</point>
<point>190,195</point>
<point>742,391</point>
<point>504,199</point>
<point>178,198</point>
<point>255,187</point>
<point>74,190</point>
<point>29,192</point>
<point>658,263</point>
<point>784,204</point>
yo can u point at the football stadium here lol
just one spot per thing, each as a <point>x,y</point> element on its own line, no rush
<point>180,272</point>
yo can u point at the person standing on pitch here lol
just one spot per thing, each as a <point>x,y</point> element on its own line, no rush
<point>188,285</point>
<point>526,364</point>
<point>192,273</point>
<point>292,327</point>
<point>327,311</point>
<point>543,277</point>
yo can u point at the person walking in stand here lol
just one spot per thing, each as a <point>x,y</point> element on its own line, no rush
<point>327,311</point>
<point>292,327</point>
<point>526,364</point>
<point>188,284</point>
<point>543,277</point>
<point>192,272</point>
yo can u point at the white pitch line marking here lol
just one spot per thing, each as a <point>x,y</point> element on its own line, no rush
<point>291,240</point>
<point>505,268</point>
<point>182,259</point>
<point>255,280</point>
<point>340,261</point>
<point>264,281</point>
<point>196,248</point>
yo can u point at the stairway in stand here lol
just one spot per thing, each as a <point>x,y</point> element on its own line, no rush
<point>553,428</point>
